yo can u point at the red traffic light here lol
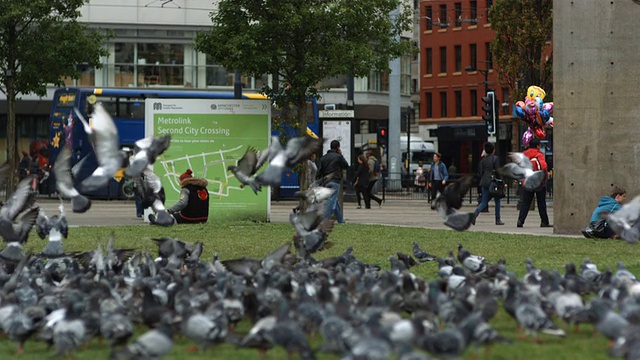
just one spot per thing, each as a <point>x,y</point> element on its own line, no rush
<point>383,132</point>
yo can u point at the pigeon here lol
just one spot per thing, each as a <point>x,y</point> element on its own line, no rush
<point>297,149</point>
<point>70,332</point>
<point>145,152</point>
<point>64,182</point>
<point>16,235</point>
<point>315,194</point>
<point>311,231</point>
<point>473,263</point>
<point>521,169</point>
<point>149,187</point>
<point>154,344</point>
<point>246,168</point>
<point>407,260</point>
<point>104,136</point>
<point>420,254</point>
<point>450,201</point>
<point>55,227</point>
<point>533,319</point>
<point>203,330</point>
<point>625,222</point>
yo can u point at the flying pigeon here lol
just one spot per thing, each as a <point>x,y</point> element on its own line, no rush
<point>145,152</point>
<point>450,201</point>
<point>104,136</point>
<point>297,149</point>
<point>625,222</point>
<point>55,227</point>
<point>16,235</point>
<point>149,187</point>
<point>521,169</point>
<point>64,182</point>
<point>311,231</point>
<point>246,168</point>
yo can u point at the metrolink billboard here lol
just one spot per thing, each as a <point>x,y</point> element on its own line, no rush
<point>208,135</point>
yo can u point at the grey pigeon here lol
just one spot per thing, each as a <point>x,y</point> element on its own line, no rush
<point>154,344</point>
<point>203,331</point>
<point>70,332</point>
<point>145,153</point>
<point>297,149</point>
<point>533,319</point>
<point>149,187</point>
<point>64,182</point>
<point>473,263</point>
<point>17,234</point>
<point>116,328</point>
<point>521,169</point>
<point>420,254</point>
<point>311,231</point>
<point>55,228</point>
<point>104,136</point>
<point>608,322</point>
<point>449,202</point>
<point>246,168</point>
<point>315,194</point>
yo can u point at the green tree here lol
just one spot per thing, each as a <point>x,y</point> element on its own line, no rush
<point>522,47</point>
<point>41,43</point>
<point>304,42</point>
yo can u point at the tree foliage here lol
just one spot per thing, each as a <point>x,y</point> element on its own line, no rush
<point>522,47</point>
<point>304,42</point>
<point>41,43</point>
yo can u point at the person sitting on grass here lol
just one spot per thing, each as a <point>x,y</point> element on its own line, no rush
<point>606,205</point>
<point>193,206</point>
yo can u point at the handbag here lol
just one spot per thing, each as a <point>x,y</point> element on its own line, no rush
<point>599,228</point>
<point>496,188</point>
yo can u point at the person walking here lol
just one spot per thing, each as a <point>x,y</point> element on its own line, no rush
<point>438,175</point>
<point>332,165</point>
<point>420,181</point>
<point>361,182</point>
<point>539,163</point>
<point>486,170</point>
<point>373,176</point>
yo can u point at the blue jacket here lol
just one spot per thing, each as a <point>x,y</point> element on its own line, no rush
<point>606,204</point>
<point>443,171</point>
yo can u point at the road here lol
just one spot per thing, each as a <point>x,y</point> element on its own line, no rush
<point>413,213</point>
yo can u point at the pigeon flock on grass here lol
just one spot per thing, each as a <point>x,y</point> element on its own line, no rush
<point>291,298</point>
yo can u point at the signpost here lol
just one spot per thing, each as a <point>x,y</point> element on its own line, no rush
<point>207,136</point>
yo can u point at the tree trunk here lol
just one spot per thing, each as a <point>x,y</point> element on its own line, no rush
<point>12,155</point>
<point>303,176</point>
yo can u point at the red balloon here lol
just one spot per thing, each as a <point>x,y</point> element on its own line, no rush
<point>540,133</point>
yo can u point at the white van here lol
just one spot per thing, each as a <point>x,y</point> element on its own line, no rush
<point>421,151</point>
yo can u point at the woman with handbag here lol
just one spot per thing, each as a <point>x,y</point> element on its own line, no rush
<point>487,173</point>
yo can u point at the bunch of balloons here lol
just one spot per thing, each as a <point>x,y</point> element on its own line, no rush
<point>535,113</point>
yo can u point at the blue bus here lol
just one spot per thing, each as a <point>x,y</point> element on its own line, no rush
<point>127,108</point>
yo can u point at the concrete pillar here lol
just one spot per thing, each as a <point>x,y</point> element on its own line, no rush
<point>596,90</point>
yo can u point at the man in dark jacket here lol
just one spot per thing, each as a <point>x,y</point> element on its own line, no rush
<point>193,206</point>
<point>331,167</point>
<point>539,163</point>
<point>486,170</point>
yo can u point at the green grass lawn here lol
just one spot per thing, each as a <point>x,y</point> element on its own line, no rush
<point>373,244</point>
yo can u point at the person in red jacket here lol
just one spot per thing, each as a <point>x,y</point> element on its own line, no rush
<point>539,163</point>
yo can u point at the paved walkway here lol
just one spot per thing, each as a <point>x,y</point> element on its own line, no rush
<point>414,213</point>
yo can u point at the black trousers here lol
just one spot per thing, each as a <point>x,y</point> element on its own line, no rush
<point>527,198</point>
<point>436,185</point>
<point>363,192</point>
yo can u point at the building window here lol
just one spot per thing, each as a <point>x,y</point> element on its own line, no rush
<point>458,7</point>
<point>160,64</point>
<point>429,105</point>
<point>405,75</point>
<point>458,51</point>
<point>489,59</point>
<point>429,17</point>
<point>506,100</point>
<point>474,9</point>
<point>443,59</point>
<point>443,104</point>
<point>473,95</point>
<point>458,103</point>
<point>489,5</point>
<point>443,13</point>
<point>429,56</point>
<point>473,59</point>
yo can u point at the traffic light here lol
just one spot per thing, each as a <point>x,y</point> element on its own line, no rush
<point>383,136</point>
<point>490,114</point>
